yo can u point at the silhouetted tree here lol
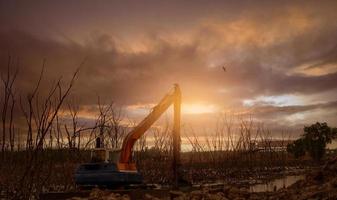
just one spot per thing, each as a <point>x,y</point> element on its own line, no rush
<point>316,137</point>
<point>297,148</point>
<point>313,141</point>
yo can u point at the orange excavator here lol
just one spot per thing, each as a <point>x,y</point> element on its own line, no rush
<point>116,168</point>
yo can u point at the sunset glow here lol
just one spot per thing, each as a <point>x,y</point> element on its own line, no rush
<point>198,108</point>
<point>225,57</point>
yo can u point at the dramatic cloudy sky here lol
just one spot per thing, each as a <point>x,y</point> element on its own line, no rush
<point>280,56</point>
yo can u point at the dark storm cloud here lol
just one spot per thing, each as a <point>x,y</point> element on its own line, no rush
<point>263,45</point>
<point>124,76</point>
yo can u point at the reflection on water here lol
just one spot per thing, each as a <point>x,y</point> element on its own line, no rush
<point>276,184</point>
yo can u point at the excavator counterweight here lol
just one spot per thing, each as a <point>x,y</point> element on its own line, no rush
<point>117,168</point>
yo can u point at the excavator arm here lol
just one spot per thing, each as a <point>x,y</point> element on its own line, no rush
<point>125,159</point>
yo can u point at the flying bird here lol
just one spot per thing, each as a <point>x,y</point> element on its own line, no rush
<point>224,69</point>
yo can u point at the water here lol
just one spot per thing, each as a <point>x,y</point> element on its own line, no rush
<point>276,184</point>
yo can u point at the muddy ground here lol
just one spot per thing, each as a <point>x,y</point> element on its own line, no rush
<point>320,183</point>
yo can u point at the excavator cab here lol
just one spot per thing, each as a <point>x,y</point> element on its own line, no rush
<point>115,168</point>
<point>99,154</point>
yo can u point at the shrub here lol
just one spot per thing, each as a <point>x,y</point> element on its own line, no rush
<point>313,141</point>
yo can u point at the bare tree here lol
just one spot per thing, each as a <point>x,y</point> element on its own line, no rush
<point>8,103</point>
<point>117,130</point>
<point>40,116</point>
<point>73,109</point>
<point>29,114</point>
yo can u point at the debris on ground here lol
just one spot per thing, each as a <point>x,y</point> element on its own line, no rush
<point>320,184</point>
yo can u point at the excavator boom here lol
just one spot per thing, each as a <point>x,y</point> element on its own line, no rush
<point>125,161</point>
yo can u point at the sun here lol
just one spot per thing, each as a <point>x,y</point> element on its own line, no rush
<point>198,108</point>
